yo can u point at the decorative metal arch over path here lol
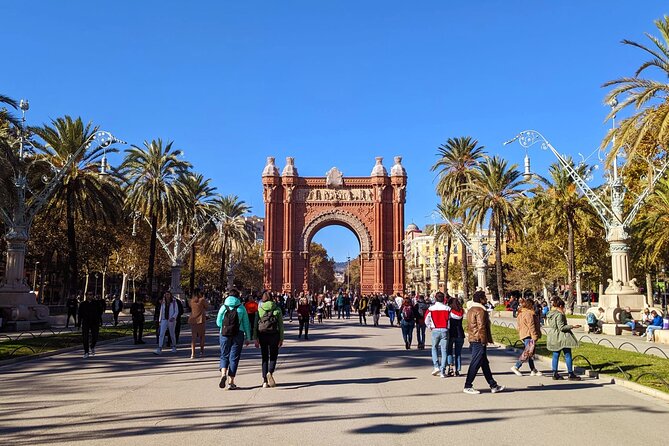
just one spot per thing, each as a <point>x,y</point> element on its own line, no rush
<point>296,208</point>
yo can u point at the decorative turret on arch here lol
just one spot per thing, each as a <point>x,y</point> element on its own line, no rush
<point>297,207</point>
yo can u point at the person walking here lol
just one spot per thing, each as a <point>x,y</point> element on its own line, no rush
<point>362,309</point>
<point>137,313</point>
<point>72,305</point>
<point>169,311</point>
<point>89,321</point>
<point>291,306</point>
<point>251,306</point>
<point>478,331</point>
<point>235,332</point>
<point>268,334</point>
<point>529,331</point>
<point>347,305</point>
<point>116,307</point>
<point>391,311</point>
<point>303,315</point>
<point>560,338</point>
<point>177,322</point>
<point>408,322</point>
<point>375,309</point>
<point>156,316</point>
<point>437,319</point>
<point>456,337</point>
<point>320,309</point>
<point>197,321</point>
<point>340,305</point>
<point>420,308</point>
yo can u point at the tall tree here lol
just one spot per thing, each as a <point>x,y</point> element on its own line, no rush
<point>562,205</point>
<point>649,125</point>
<point>232,236</point>
<point>457,160</point>
<point>199,199</point>
<point>321,268</point>
<point>494,192</point>
<point>85,194</point>
<point>153,189</point>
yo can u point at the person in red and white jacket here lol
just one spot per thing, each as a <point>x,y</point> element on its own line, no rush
<point>436,319</point>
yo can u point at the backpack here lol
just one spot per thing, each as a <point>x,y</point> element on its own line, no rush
<point>230,325</point>
<point>268,323</point>
<point>422,308</point>
<point>407,313</point>
<point>591,319</point>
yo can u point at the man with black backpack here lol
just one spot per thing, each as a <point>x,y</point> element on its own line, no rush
<point>268,334</point>
<point>234,324</point>
<point>421,307</point>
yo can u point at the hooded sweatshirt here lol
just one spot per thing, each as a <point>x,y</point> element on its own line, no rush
<point>264,308</point>
<point>232,302</point>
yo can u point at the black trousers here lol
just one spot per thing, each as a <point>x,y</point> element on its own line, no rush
<point>73,314</point>
<point>362,316</point>
<point>269,352</point>
<point>115,319</point>
<point>304,325</point>
<point>89,333</point>
<point>137,329</point>
<point>479,361</point>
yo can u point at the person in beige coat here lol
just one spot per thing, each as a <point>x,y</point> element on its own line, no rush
<point>529,331</point>
<point>197,320</point>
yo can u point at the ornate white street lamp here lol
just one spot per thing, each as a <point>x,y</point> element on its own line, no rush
<point>17,303</point>
<point>621,290</point>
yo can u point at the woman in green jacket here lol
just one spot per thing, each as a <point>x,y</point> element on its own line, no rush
<point>268,334</point>
<point>560,338</point>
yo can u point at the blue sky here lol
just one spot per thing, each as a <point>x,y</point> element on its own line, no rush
<point>332,83</point>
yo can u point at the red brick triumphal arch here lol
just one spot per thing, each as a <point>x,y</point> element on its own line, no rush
<point>297,207</point>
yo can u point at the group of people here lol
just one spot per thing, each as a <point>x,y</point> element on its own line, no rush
<point>649,322</point>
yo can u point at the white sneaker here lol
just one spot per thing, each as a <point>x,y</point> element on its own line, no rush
<point>92,352</point>
<point>85,355</point>
<point>515,370</point>
<point>158,351</point>
<point>497,389</point>
<point>270,380</point>
<point>471,391</point>
<point>536,373</point>
<point>435,372</point>
<point>265,385</point>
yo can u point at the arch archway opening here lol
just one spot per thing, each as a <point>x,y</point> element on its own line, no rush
<point>334,258</point>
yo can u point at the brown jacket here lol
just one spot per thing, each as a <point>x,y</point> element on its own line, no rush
<point>478,324</point>
<point>528,324</point>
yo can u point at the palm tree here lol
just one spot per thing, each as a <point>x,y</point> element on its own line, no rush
<point>448,211</point>
<point>648,129</point>
<point>152,188</point>
<point>654,223</point>
<point>457,159</point>
<point>7,121</point>
<point>494,192</point>
<point>232,235</point>
<point>199,198</point>
<point>561,205</point>
<point>85,194</point>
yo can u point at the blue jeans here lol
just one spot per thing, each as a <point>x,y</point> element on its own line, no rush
<point>231,351</point>
<point>631,324</point>
<point>567,359</point>
<point>651,329</point>
<point>454,352</point>
<point>530,361</point>
<point>439,342</point>
<point>407,331</point>
<point>420,334</point>
<point>391,316</point>
<point>347,310</point>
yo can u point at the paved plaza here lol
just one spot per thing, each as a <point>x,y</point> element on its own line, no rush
<point>346,385</point>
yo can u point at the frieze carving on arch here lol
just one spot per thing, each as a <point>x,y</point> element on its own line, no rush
<point>337,216</point>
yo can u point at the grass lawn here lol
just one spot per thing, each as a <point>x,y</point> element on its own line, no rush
<point>611,361</point>
<point>28,345</point>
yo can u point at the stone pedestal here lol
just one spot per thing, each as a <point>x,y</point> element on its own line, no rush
<point>614,303</point>
<point>20,310</point>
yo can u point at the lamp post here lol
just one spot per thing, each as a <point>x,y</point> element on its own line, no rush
<point>15,298</point>
<point>480,255</point>
<point>35,276</point>
<point>348,273</point>
<point>621,291</point>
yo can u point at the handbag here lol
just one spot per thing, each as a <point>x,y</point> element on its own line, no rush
<point>528,352</point>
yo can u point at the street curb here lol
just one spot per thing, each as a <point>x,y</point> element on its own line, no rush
<point>607,378</point>
<point>36,356</point>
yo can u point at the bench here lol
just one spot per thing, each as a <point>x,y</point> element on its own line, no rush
<point>661,336</point>
<point>616,329</point>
